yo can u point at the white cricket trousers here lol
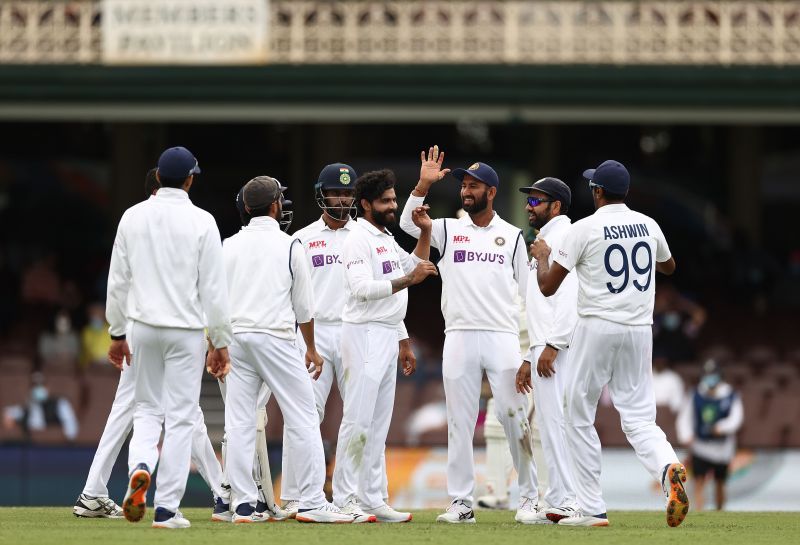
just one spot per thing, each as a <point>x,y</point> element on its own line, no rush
<point>369,358</point>
<point>170,367</point>
<point>603,352</point>
<point>548,398</point>
<point>119,425</point>
<point>466,355</point>
<point>258,358</point>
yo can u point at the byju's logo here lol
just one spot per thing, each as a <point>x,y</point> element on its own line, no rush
<point>387,267</point>
<point>320,260</point>
<point>462,256</point>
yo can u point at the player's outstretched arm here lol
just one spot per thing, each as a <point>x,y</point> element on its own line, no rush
<point>666,267</point>
<point>430,172</point>
<point>424,223</point>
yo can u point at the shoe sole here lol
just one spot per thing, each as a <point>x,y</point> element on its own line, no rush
<point>165,527</point>
<point>678,502</point>
<point>468,521</point>
<point>301,518</point>
<point>134,505</point>
<point>601,524</point>
<point>89,514</point>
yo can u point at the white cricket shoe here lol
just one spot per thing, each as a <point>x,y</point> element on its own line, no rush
<point>96,507</point>
<point>529,513</point>
<point>167,519</point>
<point>290,508</point>
<point>271,514</point>
<point>582,519</point>
<point>492,502</point>
<point>384,513</point>
<point>326,513</point>
<point>555,514</point>
<point>458,513</point>
<point>359,516</point>
<point>222,511</point>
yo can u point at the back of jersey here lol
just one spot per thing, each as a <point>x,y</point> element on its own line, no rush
<point>614,252</point>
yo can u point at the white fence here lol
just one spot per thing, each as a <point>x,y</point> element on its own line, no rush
<point>455,32</point>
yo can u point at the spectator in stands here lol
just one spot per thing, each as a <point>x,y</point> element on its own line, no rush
<point>677,320</point>
<point>94,337</point>
<point>61,346</point>
<point>707,425</point>
<point>41,412</point>
<point>667,384</point>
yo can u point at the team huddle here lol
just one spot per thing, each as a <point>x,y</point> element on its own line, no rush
<point>274,314</point>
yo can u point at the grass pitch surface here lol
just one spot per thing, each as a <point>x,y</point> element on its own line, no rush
<point>47,525</point>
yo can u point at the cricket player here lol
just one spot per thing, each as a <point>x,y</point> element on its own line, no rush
<point>550,324</point>
<point>323,241</point>
<point>167,252</point>
<point>615,253</point>
<point>377,273</point>
<point>94,501</point>
<point>484,267</point>
<point>270,289</point>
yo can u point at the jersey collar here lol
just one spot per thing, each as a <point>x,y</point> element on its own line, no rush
<point>612,208</point>
<point>550,225</point>
<point>371,229</point>
<point>322,226</point>
<point>262,223</point>
<point>467,220</point>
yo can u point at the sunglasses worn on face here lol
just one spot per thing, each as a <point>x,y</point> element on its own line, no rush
<point>536,201</point>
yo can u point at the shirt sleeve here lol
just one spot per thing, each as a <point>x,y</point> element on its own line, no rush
<point>731,423</point>
<point>357,260</point>
<point>407,224</point>
<point>213,287</point>
<point>571,248</point>
<point>402,333</point>
<point>302,286</point>
<point>662,248</point>
<point>119,284</point>
<point>521,266</point>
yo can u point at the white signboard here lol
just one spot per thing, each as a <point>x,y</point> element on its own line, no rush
<point>185,31</point>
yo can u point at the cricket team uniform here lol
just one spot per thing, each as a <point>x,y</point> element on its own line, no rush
<point>551,321</point>
<point>167,252</point>
<point>614,253</point>
<point>269,283</point>
<point>483,269</point>
<point>371,319</point>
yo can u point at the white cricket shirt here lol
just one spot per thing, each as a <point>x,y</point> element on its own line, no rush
<point>168,253</point>
<point>482,270</point>
<point>552,319</point>
<point>372,259</point>
<point>269,281</point>
<point>614,251</point>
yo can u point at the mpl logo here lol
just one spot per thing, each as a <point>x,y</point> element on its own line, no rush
<point>381,250</point>
<point>463,256</point>
<point>316,244</point>
<point>460,239</point>
<point>320,260</point>
<point>389,266</point>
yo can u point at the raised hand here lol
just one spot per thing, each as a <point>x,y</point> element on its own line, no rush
<point>431,171</point>
<point>420,217</point>
<point>423,270</point>
<point>540,251</point>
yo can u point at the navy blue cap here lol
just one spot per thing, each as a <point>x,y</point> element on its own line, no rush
<point>479,171</point>
<point>337,176</point>
<point>177,163</point>
<point>611,176</point>
<point>554,188</point>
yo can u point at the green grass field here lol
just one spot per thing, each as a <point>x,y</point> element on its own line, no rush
<point>40,525</point>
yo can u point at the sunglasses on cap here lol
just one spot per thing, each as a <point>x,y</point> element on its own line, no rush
<point>536,201</point>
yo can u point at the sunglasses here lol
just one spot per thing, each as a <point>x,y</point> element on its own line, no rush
<point>536,201</point>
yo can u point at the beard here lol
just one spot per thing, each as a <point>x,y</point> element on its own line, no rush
<point>384,219</point>
<point>479,204</point>
<point>540,220</point>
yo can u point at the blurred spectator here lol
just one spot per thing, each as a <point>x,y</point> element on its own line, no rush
<point>431,416</point>
<point>707,425</point>
<point>61,346</point>
<point>41,412</point>
<point>677,320</point>
<point>94,337</point>
<point>667,384</point>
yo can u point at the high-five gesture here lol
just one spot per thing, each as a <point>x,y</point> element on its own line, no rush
<point>430,171</point>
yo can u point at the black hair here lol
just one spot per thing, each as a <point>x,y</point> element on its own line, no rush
<point>151,183</point>
<point>613,197</point>
<point>171,182</point>
<point>260,211</point>
<point>564,207</point>
<point>371,185</point>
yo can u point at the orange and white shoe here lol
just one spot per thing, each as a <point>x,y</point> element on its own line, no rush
<point>134,504</point>
<point>582,519</point>
<point>677,499</point>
